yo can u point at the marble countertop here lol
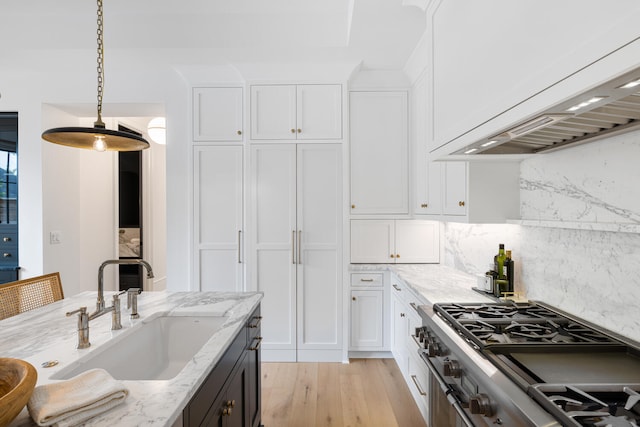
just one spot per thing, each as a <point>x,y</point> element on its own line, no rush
<point>47,334</point>
<point>433,282</point>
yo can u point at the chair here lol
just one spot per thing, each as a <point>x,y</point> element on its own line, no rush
<point>24,295</point>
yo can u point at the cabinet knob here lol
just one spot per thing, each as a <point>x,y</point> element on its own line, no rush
<point>461,203</point>
<point>293,131</point>
<point>397,255</point>
<point>353,298</point>
<point>392,256</point>
<point>424,205</point>
<point>6,255</point>
<point>299,130</point>
<point>353,206</point>
<point>239,132</point>
<point>6,239</point>
<point>401,314</point>
<point>231,403</point>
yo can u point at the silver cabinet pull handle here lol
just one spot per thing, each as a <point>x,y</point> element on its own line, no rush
<point>293,247</point>
<point>415,382</point>
<point>299,244</point>
<point>366,280</point>
<point>239,246</point>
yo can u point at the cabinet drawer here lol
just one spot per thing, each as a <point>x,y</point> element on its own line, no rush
<point>8,240</point>
<point>367,279</point>
<point>9,255</point>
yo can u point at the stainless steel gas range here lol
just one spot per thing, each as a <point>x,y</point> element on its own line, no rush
<point>526,365</point>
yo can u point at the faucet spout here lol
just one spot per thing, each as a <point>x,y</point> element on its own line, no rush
<point>100,302</point>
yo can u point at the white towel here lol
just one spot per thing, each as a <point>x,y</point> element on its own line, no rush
<point>71,402</point>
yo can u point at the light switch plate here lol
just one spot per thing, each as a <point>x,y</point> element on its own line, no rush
<point>55,237</point>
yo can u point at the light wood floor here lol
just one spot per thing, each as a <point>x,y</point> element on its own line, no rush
<point>365,392</point>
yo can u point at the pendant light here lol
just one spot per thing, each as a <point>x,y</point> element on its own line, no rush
<point>97,138</point>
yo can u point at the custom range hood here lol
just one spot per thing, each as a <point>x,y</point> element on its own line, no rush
<point>609,109</point>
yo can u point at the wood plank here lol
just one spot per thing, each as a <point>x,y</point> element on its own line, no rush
<point>329,408</point>
<point>364,392</point>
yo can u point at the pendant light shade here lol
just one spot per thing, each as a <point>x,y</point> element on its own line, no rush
<point>95,138</point>
<point>98,137</point>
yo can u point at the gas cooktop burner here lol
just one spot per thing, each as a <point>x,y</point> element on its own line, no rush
<point>496,311</point>
<point>509,323</point>
<point>591,405</point>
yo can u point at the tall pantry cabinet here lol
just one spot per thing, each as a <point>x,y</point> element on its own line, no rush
<point>296,223</point>
<point>218,194</point>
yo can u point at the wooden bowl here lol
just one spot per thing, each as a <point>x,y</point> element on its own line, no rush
<point>17,381</point>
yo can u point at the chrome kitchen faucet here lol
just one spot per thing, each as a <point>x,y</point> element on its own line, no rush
<point>100,301</point>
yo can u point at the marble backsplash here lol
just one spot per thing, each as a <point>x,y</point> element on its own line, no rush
<point>592,274</point>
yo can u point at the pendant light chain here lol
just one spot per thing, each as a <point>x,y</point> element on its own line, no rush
<point>99,122</point>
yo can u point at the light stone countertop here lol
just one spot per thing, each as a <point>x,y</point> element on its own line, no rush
<point>47,334</point>
<point>433,282</point>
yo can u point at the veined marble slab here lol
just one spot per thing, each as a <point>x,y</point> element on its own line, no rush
<point>47,334</point>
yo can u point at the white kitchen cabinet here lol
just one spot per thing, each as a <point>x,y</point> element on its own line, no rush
<point>394,241</point>
<point>474,192</point>
<point>399,324</point>
<point>379,152</point>
<point>367,323</point>
<point>369,326</point>
<point>296,112</point>
<point>296,196</point>
<point>218,114</point>
<point>217,231</point>
<point>405,319</point>
<point>454,184</point>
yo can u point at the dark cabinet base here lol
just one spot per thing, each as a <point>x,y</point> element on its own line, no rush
<point>231,395</point>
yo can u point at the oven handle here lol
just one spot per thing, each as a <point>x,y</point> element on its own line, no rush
<point>447,391</point>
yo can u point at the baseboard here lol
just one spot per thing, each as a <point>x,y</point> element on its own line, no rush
<point>370,355</point>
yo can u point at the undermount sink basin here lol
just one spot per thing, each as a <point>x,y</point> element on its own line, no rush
<point>17,381</point>
<point>157,350</point>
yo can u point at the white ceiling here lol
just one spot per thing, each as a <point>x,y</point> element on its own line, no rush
<point>380,33</point>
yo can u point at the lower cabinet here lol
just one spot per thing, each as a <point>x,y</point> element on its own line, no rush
<point>405,319</point>
<point>366,319</point>
<point>230,396</point>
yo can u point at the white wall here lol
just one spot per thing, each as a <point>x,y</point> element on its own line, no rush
<point>72,191</point>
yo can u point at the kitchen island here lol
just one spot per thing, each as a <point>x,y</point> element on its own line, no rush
<point>47,334</point>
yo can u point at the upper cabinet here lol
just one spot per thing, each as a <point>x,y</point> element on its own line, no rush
<point>217,114</point>
<point>524,59</point>
<point>379,152</point>
<point>296,112</point>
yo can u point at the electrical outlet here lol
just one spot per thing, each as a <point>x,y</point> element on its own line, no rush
<point>55,237</point>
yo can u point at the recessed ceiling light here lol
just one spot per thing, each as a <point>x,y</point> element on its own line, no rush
<point>472,150</point>
<point>631,84</point>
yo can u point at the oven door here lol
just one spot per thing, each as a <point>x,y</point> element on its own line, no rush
<point>444,409</point>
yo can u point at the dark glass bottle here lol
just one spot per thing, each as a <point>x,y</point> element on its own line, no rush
<point>500,284</point>
<point>509,272</point>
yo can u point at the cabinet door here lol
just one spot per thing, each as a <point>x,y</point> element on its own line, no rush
<point>217,173</point>
<point>366,320</point>
<point>417,241</point>
<point>273,112</point>
<point>455,188</point>
<point>319,254</point>
<point>372,241</point>
<point>398,330</point>
<point>319,112</point>
<point>379,153</point>
<point>217,114</point>
<point>273,220</point>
